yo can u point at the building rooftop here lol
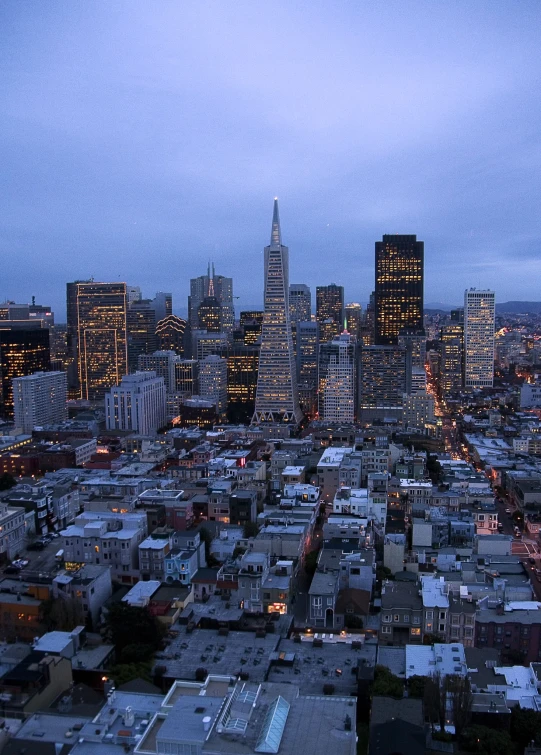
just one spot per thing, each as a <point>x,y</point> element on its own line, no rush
<point>425,660</point>
<point>311,668</point>
<point>226,654</point>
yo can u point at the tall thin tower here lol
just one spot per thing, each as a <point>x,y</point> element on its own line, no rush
<point>276,395</point>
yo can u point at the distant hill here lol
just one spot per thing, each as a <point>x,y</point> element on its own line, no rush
<point>519,307</point>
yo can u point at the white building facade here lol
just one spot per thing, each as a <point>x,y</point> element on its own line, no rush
<point>39,399</point>
<point>479,320</point>
<point>138,404</point>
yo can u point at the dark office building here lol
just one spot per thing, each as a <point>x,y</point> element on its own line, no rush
<point>24,349</point>
<point>399,287</point>
<point>209,315</point>
<point>330,311</point>
<point>242,366</point>
<point>142,338</point>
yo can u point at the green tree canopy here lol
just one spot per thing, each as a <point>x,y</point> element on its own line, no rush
<point>486,741</point>
<point>127,623</point>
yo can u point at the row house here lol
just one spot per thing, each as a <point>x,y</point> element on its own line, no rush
<point>186,557</point>
<point>107,539</point>
<point>37,501</point>
<point>12,530</point>
<point>89,586</point>
<point>152,554</point>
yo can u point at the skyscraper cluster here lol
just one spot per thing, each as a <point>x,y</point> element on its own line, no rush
<point>271,367</point>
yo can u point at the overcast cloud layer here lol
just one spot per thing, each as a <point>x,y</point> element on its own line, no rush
<point>140,139</point>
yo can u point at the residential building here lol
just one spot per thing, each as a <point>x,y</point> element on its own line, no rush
<point>513,627</point>
<point>340,382</point>
<point>385,376</point>
<point>186,556</point>
<point>276,394</point>
<point>39,399</point>
<point>106,538</point>
<point>90,586</point>
<point>152,554</point>
<point>479,321</point>
<point>12,530</point>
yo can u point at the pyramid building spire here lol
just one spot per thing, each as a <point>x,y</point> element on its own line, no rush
<point>276,234</point>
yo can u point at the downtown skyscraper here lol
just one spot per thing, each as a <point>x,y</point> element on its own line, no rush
<point>97,319</point>
<point>399,287</point>
<point>276,394</point>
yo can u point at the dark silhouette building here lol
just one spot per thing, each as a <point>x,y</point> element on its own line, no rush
<point>24,350</point>
<point>399,287</point>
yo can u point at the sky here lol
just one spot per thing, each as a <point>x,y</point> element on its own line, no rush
<point>141,139</point>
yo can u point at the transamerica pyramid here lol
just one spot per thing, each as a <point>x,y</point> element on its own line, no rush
<point>276,396</point>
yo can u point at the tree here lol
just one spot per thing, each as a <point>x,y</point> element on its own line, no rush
<point>486,741</point>
<point>459,694</point>
<point>525,726</point>
<point>7,481</point>
<point>310,562</point>
<point>62,614</point>
<point>416,686</point>
<point>250,529</point>
<point>127,672</point>
<point>126,623</point>
<point>206,538</point>
<point>435,700</point>
<point>386,683</point>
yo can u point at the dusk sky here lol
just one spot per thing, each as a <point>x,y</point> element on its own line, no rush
<point>142,138</point>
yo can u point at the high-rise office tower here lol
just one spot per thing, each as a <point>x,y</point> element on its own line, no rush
<point>171,334</point>
<point>479,321</point>
<point>242,366</point>
<point>163,364</point>
<point>415,342</point>
<point>100,310</point>
<point>162,304</point>
<point>276,395</point>
<point>300,303</point>
<point>137,404</point>
<point>24,349</point>
<point>141,323</point>
<point>385,376</point>
<point>250,323</point>
<point>307,365</point>
<point>339,398</point>
<point>330,311</point>
<point>209,315</point>
<point>213,381</point>
<point>354,314</point>
<point>72,343</point>
<point>39,399</point>
<point>212,285</point>
<point>399,287</point>
<point>368,328</point>
<point>451,358</point>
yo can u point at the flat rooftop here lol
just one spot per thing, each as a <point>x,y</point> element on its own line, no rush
<point>220,654</point>
<point>310,667</point>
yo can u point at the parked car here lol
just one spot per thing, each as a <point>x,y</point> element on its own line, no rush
<point>20,562</point>
<point>37,545</point>
<point>12,570</point>
<point>507,511</point>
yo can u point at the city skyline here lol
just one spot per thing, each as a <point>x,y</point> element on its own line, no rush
<point>139,143</point>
